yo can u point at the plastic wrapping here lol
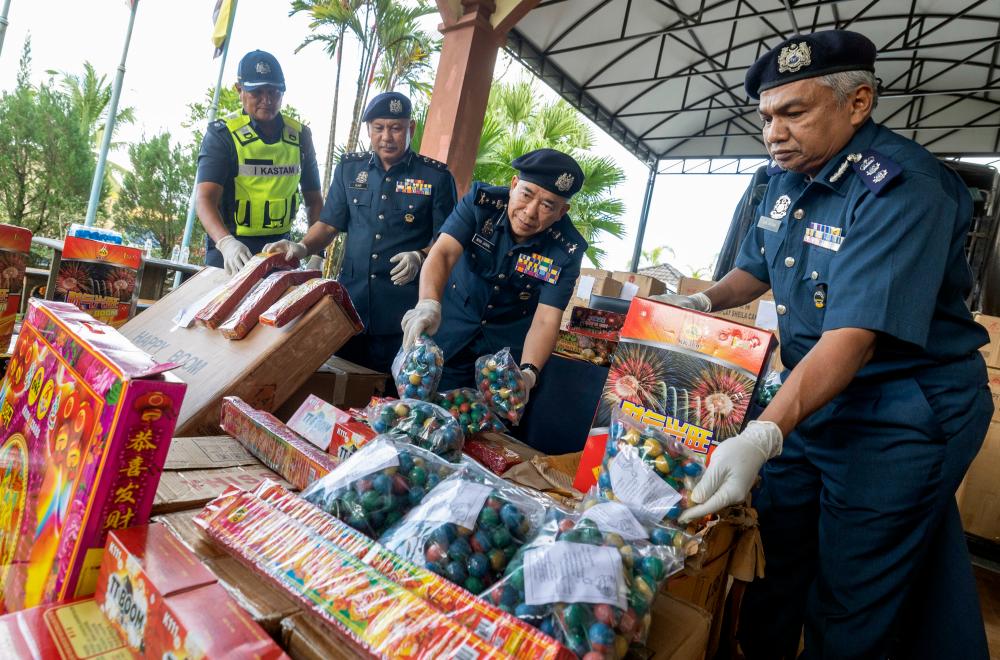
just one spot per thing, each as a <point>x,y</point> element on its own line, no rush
<point>590,589</point>
<point>467,529</point>
<point>502,385</point>
<point>15,246</point>
<point>379,484</point>
<point>424,424</point>
<point>222,305</point>
<point>680,544</point>
<point>647,470</point>
<point>301,299</point>
<point>264,294</point>
<point>769,388</point>
<point>467,406</point>
<point>417,370</point>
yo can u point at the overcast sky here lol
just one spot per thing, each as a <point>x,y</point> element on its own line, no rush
<point>170,65</point>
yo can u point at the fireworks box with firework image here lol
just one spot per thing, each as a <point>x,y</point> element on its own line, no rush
<point>693,375</point>
<point>85,422</point>
<point>15,243</point>
<point>100,278</point>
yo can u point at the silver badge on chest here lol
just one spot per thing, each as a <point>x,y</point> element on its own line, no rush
<point>781,207</point>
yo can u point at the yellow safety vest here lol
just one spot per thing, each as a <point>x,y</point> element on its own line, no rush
<point>267,186</point>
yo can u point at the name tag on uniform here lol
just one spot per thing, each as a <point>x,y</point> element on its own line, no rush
<point>539,267</point>
<point>769,223</point>
<point>824,236</point>
<point>413,187</point>
<point>482,242</point>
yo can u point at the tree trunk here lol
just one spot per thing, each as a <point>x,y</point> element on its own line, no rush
<point>331,144</point>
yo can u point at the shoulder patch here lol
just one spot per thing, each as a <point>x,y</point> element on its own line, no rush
<point>875,170</point>
<point>436,164</point>
<point>490,199</point>
<point>355,156</point>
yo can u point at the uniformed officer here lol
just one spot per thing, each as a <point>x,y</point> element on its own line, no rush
<point>861,239</point>
<point>502,270</point>
<point>250,169</point>
<point>390,201</point>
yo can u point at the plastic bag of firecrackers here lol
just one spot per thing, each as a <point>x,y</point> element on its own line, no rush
<point>588,580</point>
<point>467,406</point>
<point>467,529</point>
<point>502,385</point>
<point>680,545</point>
<point>423,424</point>
<point>649,471</point>
<point>769,388</point>
<point>377,485</point>
<point>417,370</point>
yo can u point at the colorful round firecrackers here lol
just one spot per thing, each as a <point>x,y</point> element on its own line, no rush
<point>502,386</point>
<point>417,370</point>
<point>591,631</point>
<point>679,542</point>
<point>466,406</point>
<point>666,456</point>
<point>374,502</point>
<point>425,425</point>
<point>475,558</point>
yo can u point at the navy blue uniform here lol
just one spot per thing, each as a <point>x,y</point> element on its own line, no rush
<point>217,163</point>
<point>489,301</point>
<point>384,214</point>
<point>859,507</point>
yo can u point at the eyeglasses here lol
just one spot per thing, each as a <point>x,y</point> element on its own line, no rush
<point>265,92</point>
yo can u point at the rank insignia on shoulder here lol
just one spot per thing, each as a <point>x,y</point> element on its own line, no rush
<point>355,155</point>
<point>490,200</point>
<point>436,164</point>
<point>875,169</point>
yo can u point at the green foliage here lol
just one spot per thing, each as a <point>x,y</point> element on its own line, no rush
<point>46,164</point>
<point>155,193</point>
<point>655,256</point>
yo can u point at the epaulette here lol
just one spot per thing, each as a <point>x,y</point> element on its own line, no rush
<point>355,156</point>
<point>568,236</point>
<point>490,199</point>
<point>436,164</point>
<point>773,168</point>
<point>874,169</point>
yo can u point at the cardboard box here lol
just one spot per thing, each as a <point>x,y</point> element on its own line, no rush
<point>100,278</point>
<point>979,495</point>
<point>207,452</point>
<point>991,351</point>
<point>264,368</point>
<point>15,244</point>
<point>592,281</point>
<point>314,420</point>
<point>306,638</point>
<point>186,489</point>
<point>993,376</point>
<point>67,631</point>
<point>165,603</point>
<point>638,286</point>
<point>181,524</point>
<point>680,630</point>
<point>340,383</point>
<point>85,421</point>
<point>745,314</point>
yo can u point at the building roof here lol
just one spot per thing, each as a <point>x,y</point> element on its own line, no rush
<point>665,273</point>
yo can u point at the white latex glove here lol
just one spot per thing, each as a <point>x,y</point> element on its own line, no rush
<point>529,383</point>
<point>733,468</point>
<point>291,249</point>
<point>235,255</point>
<point>315,262</point>
<point>424,318</point>
<point>407,267</point>
<point>698,302</point>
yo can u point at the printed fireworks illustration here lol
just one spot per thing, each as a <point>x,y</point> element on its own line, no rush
<point>12,266</point>
<point>98,279</point>
<point>681,386</point>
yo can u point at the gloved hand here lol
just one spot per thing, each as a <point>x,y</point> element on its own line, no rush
<point>407,267</point>
<point>424,318</point>
<point>314,262</point>
<point>291,249</point>
<point>235,255</point>
<point>698,302</point>
<point>529,383</point>
<point>733,468</point>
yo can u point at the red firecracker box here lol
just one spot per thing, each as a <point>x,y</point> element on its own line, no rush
<point>331,429</point>
<point>165,604</point>
<point>65,631</point>
<point>597,323</point>
<point>15,244</point>
<point>100,278</point>
<point>85,423</point>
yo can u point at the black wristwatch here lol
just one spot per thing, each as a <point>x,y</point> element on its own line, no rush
<point>527,366</point>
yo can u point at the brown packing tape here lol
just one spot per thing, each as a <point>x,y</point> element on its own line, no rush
<point>265,604</point>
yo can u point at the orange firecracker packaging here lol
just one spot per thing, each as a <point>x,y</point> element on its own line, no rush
<point>100,278</point>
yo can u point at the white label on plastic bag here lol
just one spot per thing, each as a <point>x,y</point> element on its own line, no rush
<point>585,286</point>
<point>372,459</point>
<point>615,518</point>
<point>574,573</point>
<point>639,488</point>
<point>456,502</point>
<point>629,289</point>
<point>767,315</point>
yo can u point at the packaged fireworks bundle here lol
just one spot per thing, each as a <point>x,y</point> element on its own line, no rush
<point>692,374</point>
<point>15,243</point>
<point>100,278</point>
<point>85,422</point>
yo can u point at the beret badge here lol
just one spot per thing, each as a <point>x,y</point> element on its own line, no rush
<point>794,57</point>
<point>564,182</point>
<point>395,106</point>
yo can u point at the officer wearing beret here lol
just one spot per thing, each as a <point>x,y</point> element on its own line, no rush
<point>251,167</point>
<point>861,239</point>
<point>390,201</point>
<point>502,270</point>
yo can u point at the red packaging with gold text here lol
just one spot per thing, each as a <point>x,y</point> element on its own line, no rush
<point>100,278</point>
<point>15,244</point>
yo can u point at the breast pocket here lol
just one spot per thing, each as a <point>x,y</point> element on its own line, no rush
<point>359,204</point>
<point>411,212</point>
<point>814,286</point>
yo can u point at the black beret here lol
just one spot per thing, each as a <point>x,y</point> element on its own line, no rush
<point>553,170</point>
<point>389,105</point>
<point>808,56</point>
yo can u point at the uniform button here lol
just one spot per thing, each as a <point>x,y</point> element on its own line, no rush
<point>762,249</point>
<point>799,214</point>
<point>528,287</point>
<point>355,200</point>
<point>489,307</point>
<point>495,288</point>
<point>814,275</point>
<point>378,237</point>
<point>781,309</point>
<point>483,322</point>
<point>453,286</point>
<point>384,196</point>
<point>381,216</point>
<point>789,261</point>
<point>386,178</point>
<point>374,256</point>
<point>373,275</point>
<point>502,276</point>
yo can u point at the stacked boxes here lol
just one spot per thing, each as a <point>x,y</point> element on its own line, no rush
<point>100,278</point>
<point>15,244</point>
<point>592,281</point>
